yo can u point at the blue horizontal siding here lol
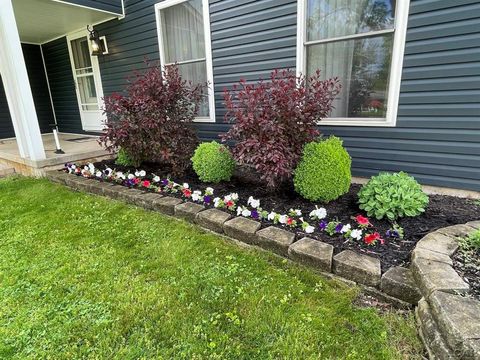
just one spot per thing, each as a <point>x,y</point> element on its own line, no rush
<point>113,6</point>
<point>437,137</point>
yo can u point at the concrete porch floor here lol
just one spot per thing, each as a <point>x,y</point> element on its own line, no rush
<point>77,147</point>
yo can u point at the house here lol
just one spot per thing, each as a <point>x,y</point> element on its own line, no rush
<point>410,70</point>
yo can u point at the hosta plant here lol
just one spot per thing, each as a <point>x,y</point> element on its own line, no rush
<point>324,172</point>
<point>213,162</point>
<point>392,195</point>
<point>274,119</point>
<point>150,121</point>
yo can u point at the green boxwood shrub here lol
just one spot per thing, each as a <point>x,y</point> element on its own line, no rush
<point>393,196</point>
<point>124,159</point>
<point>324,171</point>
<point>213,162</point>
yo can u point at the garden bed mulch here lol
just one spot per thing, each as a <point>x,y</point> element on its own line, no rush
<point>467,265</point>
<point>442,211</point>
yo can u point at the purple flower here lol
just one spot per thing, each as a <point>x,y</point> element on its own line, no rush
<point>323,225</point>
<point>392,233</point>
<point>338,228</point>
<point>254,214</point>
<point>165,182</point>
<point>207,199</point>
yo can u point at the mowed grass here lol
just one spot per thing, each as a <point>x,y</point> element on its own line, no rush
<point>83,277</point>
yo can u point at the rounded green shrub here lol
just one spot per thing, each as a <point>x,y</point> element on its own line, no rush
<point>324,171</point>
<point>124,159</point>
<point>392,196</point>
<point>213,162</point>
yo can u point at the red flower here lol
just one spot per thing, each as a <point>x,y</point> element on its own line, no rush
<point>136,181</point>
<point>229,203</point>
<point>290,221</point>
<point>146,183</point>
<point>187,192</point>
<point>362,220</point>
<point>371,239</point>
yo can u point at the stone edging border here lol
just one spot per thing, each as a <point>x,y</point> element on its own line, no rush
<point>447,322</point>
<point>396,286</point>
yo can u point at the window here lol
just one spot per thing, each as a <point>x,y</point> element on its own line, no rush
<point>361,42</point>
<point>184,38</point>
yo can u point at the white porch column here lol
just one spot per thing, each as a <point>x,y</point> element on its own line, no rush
<point>17,87</point>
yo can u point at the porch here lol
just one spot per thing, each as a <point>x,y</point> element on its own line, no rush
<point>76,147</point>
<point>49,80</point>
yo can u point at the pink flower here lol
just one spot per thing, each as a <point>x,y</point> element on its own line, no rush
<point>187,192</point>
<point>136,181</point>
<point>362,220</point>
<point>371,239</point>
<point>229,203</point>
<point>146,183</point>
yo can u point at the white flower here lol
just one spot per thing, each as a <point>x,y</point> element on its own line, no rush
<point>137,173</point>
<point>108,171</point>
<point>85,168</point>
<point>283,219</point>
<point>356,234</point>
<point>298,212</point>
<point>156,179</point>
<point>130,176</point>
<point>254,203</point>
<point>91,167</point>
<point>216,202</point>
<point>120,175</point>
<point>239,210</point>
<point>318,213</point>
<point>196,195</point>
<point>345,228</point>
<point>98,174</point>
<point>143,173</point>
<point>309,229</point>
<point>227,198</point>
<point>271,216</point>
<point>209,191</point>
<point>73,167</point>
<point>234,196</point>
<point>186,186</point>
<point>246,212</point>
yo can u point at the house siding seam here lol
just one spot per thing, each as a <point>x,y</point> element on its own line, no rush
<point>437,137</point>
<point>62,86</point>
<point>113,6</point>
<point>41,98</point>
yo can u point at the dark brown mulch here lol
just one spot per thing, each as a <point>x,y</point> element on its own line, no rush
<point>441,212</point>
<point>467,264</point>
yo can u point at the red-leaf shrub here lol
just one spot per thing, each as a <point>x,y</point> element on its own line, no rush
<point>151,121</point>
<point>275,119</point>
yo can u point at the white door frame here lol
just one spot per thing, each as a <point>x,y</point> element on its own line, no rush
<point>97,79</point>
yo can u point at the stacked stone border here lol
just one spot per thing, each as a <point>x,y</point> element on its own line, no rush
<point>448,323</point>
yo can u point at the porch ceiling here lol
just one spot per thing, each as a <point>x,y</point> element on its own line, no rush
<point>39,21</point>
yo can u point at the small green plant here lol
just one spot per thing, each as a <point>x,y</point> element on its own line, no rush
<point>471,242</point>
<point>124,159</point>
<point>393,196</point>
<point>323,173</point>
<point>213,162</point>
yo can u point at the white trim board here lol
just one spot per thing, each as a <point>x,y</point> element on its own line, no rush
<point>400,31</point>
<point>208,51</point>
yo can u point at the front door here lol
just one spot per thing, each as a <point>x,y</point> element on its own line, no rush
<point>88,85</point>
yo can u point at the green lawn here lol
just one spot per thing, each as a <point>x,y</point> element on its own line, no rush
<point>86,277</point>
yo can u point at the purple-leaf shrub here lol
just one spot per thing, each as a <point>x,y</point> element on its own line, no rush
<point>273,120</point>
<point>150,122</point>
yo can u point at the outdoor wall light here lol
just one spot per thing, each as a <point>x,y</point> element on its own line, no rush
<point>98,43</point>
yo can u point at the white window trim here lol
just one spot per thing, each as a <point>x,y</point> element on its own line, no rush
<point>208,51</point>
<point>400,28</point>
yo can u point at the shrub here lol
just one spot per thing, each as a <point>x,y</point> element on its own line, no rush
<point>393,196</point>
<point>124,159</point>
<point>275,119</point>
<point>471,242</point>
<point>151,121</point>
<point>323,173</point>
<point>213,162</point>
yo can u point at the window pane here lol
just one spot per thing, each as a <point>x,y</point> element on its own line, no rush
<point>363,67</point>
<point>88,95</point>
<point>182,31</point>
<point>197,74</point>
<point>333,18</point>
<point>81,53</point>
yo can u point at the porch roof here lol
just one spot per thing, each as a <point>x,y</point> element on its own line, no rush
<point>39,21</point>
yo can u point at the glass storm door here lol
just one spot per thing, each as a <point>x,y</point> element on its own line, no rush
<point>88,85</point>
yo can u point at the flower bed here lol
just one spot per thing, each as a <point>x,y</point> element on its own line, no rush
<point>339,223</point>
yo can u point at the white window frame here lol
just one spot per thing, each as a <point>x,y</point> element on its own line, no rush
<point>208,51</point>
<point>399,30</point>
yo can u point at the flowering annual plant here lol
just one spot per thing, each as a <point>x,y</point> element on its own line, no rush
<point>395,232</point>
<point>229,202</point>
<point>318,213</point>
<point>362,221</point>
<point>373,238</point>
